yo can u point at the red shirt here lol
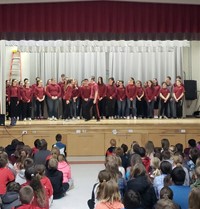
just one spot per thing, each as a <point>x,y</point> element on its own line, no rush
<point>21,89</point>
<point>157,90</point>
<point>102,90</point>
<point>27,206</point>
<point>62,85</point>
<point>131,91</point>
<point>68,93</point>
<point>76,91</point>
<point>6,177</point>
<point>85,92</point>
<point>47,185</point>
<point>140,91</point>
<point>149,93</point>
<point>27,94</point>
<point>94,89</point>
<point>13,92</point>
<point>111,91</point>
<point>39,92</point>
<point>164,92</point>
<point>53,90</point>
<point>121,93</point>
<point>178,90</point>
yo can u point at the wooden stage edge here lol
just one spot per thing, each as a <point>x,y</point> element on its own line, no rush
<point>92,138</point>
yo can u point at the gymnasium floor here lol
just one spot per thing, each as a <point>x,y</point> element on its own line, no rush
<point>84,175</point>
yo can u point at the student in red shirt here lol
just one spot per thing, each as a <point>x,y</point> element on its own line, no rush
<point>164,100</point>
<point>150,98</point>
<point>157,98</point>
<point>62,84</point>
<point>6,176</point>
<point>20,105</point>
<point>85,95</point>
<point>178,94</point>
<point>53,92</point>
<point>111,94</point>
<point>7,103</point>
<point>131,92</point>
<point>139,99</point>
<point>67,97</point>
<point>102,97</point>
<point>121,99</point>
<point>40,97</point>
<point>76,100</point>
<point>13,99</point>
<point>93,101</point>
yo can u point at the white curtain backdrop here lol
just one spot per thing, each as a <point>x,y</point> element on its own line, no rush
<point>142,60</point>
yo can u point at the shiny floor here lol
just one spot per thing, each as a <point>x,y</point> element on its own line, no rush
<point>85,176</point>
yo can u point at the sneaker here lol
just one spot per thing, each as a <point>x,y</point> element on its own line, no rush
<point>134,117</point>
<point>66,120</point>
<point>78,118</point>
<point>165,117</point>
<point>128,117</point>
<point>51,119</point>
<point>160,117</point>
<point>29,118</point>
<point>24,119</point>
<point>55,118</point>
<point>156,117</point>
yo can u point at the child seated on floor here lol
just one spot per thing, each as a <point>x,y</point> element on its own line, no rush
<point>111,149</point>
<point>65,168</point>
<point>56,178</point>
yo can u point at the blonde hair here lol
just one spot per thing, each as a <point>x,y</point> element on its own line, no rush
<point>138,170</point>
<point>194,198</point>
<point>55,152</point>
<point>110,192</point>
<point>155,163</point>
<point>197,172</point>
<point>178,160</point>
<point>113,142</point>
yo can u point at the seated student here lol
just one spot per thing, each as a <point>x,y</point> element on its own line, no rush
<point>11,198</point>
<point>111,149</point>
<point>132,200</point>
<point>56,178</point>
<point>26,196</point>
<point>145,159</point>
<point>60,145</point>
<point>110,196</point>
<point>166,204</point>
<point>6,176</point>
<point>65,168</point>
<point>158,182</point>
<point>180,192</point>
<point>103,176</point>
<point>194,198</point>
<point>191,144</point>
<point>197,178</point>
<point>155,168</point>
<point>125,157</point>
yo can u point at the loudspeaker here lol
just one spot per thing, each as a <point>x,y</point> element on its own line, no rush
<point>190,89</point>
<point>2,119</point>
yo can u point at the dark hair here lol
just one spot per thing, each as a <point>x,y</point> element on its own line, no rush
<point>136,148</point>
<point>36,143</point>
<point>42,145</point>
<point>28,162</point>
<point>26,195</point>
<point>100,79</point>
<point>166,193</point>
<point>141,151</point>
<point>179,148</point>
<point>166,167</point>
<point>178,175</point>
<point>58,137</point>
<point>3,162</point>
<point>194,154</point>
<point>166,155</point>
<point>124,147</point>
<point>30,173</point>
<point>165,144</point>
<point>13,187</point>
<point>132,199</point>
<point>192,142</point>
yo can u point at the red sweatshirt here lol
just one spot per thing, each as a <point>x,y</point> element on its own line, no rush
<point>68,93</point>
<point>94,88</point>
<point>21,89</point>
<point>27,94</point>
<point>164,92</point>
<point>62,85</point>
<point>6,177</point>
<point>140,91</point>
<point>13,92</point>
<point>27,206</point>
<point>102,90</point>
<point>76,92</point>
<point>131,91</point>
<point>157,90</point>
<point>85,92</point>
<point>53,90</point>
<point>178,90</point>
<point>111,91</point>
<point>47,185</point>
<point>149,93</point>
<point>39,92</point>
<point>121,93</point>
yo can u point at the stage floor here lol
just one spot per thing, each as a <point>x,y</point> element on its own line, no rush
<point>91,138</point>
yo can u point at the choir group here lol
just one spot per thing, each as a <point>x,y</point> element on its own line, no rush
<point>94,99</point>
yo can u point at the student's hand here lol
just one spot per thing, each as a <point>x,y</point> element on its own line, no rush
<point>94,102</point>
<point>67,101</point>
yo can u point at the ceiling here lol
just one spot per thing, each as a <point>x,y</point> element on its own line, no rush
<point>154,1</point>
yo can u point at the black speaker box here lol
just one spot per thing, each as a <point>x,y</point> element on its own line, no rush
<point>2,119</point>
<point>190,89</point>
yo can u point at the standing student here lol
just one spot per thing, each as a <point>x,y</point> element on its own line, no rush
<point>34,99</point>
<point>46,98</point>
<point>131,93</point>
<point>60,145</point>
<point>53,92</point>
<point>27,101</point>
<point>7,102</point>
<point>20,105</point>
<point>164,100</point>
<point>140,99</point>
<point>102,97</point>
<point>62,84</point>
<point>157,98</point>
<point>171,109</point>
<point>178,94</point>
<point>85,95</point>
<point>110,98</point>
<point>76,100</point>
<point>93,101</point>
<point>150,98</point>
<point>40,97</point>
<point>13,99</point>
<point>121,99</point>
<point>67,97</point>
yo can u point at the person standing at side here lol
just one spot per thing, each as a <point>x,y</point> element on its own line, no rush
<point>40,97</point>
<point>150,98</point>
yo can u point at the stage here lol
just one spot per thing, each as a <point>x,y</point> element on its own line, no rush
<point>92,138</point>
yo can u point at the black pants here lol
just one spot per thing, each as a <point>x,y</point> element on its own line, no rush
<point>164,107</point>
<point>179,108</point>
<point>102,107</point>
<point>140,107</point>
<point>110,107</point>
<point>27,110</point>
<point>90,104</point>
<point>13,107</point>
<point>67,113</point>
<point>39,108</point>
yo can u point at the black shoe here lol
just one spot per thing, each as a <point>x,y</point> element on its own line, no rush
<point>98,119</point>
